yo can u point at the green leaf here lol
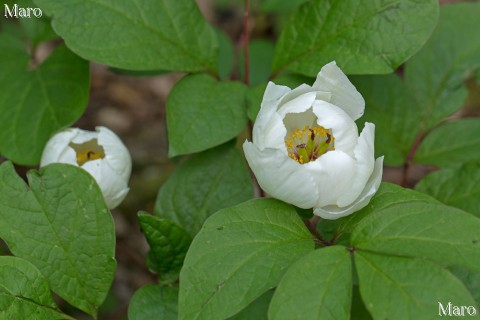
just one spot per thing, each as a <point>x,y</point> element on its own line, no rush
<point>25,292</point>
<point>260,61</point>
<point>455,187</point>
<point>404,288</point>
<point>277,6</point>
<point>451,144</point>
<point>318,286</point>
<point>391,108</point>
<point>154,303</point>
<point>421,229</point>
<point>203,113</point>
<point>364,37</point>
<point>61,224</point>
<point>436,74</point>
<point>36,29</point>
<point>225,55</point>
<point>36,103</point>
<point>257,310</point>
<point>387,195</point>
<point>139,35</point>
<point>240,253</point>
<point>471,280</point>
<point>205,183</point>
<point>168,242</point>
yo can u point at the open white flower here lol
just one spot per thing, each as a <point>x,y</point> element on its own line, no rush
<point>100,153</point>
<point>306,149</point>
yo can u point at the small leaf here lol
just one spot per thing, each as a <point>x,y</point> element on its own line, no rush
<point>225,55</point>
<point>168,242</point>
<point>203,113</point>
<point>240,253</point>
<point>471,280</point>
<point>280,5</point>
<point>451,144</point>
<point>154,303</point>
<point>257,310</point>
<point>435,75</point>
<point>25,292</point>
<point>61,225</point>
<point>34,104</point>
<point>390,106</point>
<point>205,183</point>
<point>421,229</point>
<point>318,286</point>
<point>455,187</point>
<point>404,288</point>
<point>260,61</point>
<point>364,37</point>
<point>137,35</point>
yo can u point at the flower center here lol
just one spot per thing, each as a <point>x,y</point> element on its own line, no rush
<point>87,151</point>
<point>308,144</point>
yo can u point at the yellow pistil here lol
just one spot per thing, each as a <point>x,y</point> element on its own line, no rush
<point>308,144</point>
<point>87,151</point>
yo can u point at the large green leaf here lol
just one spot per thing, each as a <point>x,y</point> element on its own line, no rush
<point>456,187</point>
<point>436,74</point>
<point>168,242</point>
<point>138,34</point>
<point>240,253</point>
<point>387,195</point>
<point>363,36</point>
<point>61,224</point>
<point>207,182</point>
<point>318,286</point>
<point>404,288</point>
<point>451,144</point>
<point>154,303</point>
<point>36,103</point>
<point>421,229</point>
<point>24,292</point>
<point>257,310</point>
<point>203,113</point>
<point>392,109</point>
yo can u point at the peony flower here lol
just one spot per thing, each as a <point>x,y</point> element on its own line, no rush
<point>306,149</point>
<point>100,153</point>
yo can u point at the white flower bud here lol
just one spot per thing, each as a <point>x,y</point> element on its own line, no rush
<point>306,149</point>
<point>100,153</point>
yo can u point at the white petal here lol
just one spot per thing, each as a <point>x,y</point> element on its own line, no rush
<point>114,187</point>
<point>116,154</point>
<point>302,89</point>
<point>332,173</point>
<point>84,136</point>
<point>57,149</point>
<point>281,177</point>
<point>300,104</point>
<point>269,131</point>
<point>335,212</point>
<point>365,161</point>
<point>344,94</point>
<point>343,127</point>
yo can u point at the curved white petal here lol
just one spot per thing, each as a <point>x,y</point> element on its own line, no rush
<point>269,131</point>
<point>335,212</point>
<point>344,94</point>
<point>365,161</point>
<point>57,149</point>
<point>281,177</point>
<point>300,104</point>
<point>301,90</point>
<point>343,127</point>
<point>116,154</point>
<point>332,173</point>
<point>114,187</point>
<point>84,136</point>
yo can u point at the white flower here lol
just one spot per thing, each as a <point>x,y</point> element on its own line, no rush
<point>100,153</point>
<point>306,149</point>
